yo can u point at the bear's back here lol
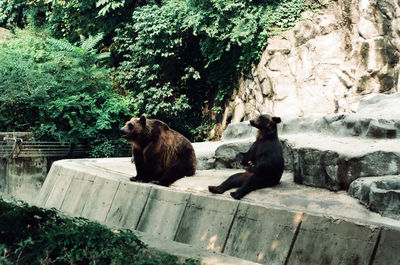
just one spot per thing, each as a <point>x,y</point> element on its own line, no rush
<point>171,145</point>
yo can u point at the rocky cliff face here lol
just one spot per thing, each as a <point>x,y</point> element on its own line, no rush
<point>325,64</point>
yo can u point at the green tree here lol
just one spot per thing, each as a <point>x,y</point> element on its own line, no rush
<point>60,92</point>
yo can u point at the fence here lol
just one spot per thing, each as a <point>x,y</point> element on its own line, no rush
<point>24,163</point>
<point>17,147</point>
<point>14,147</point>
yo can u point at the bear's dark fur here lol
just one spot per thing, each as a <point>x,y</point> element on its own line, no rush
<point>264,161</point>
<point>161,155</point>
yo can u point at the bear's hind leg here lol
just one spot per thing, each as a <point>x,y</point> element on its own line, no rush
<point>253,182</point>
<point>233,181</point>
<point>176,172</point>
<point>250,184</point>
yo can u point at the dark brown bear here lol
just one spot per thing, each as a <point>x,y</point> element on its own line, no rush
<point>161,155</point>
<point>264,161</point>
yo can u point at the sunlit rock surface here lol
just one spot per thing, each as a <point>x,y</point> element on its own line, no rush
<point>325,64</point>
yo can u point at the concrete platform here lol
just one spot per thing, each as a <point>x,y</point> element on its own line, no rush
<point>286,224</point>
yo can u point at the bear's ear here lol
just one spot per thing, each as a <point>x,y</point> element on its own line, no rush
<point>276,119</point>
<point>142,120</point>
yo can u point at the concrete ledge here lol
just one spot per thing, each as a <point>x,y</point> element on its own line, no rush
<point>323,240</point>
<point>163,213</point>
<point>262,234</point>
<point>189,251</point>
<point>128,204</point>
<point>388,248</point>
<point>206,222</point>
<point>286,224</point>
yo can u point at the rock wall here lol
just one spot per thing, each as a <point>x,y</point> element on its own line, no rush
<point>325,64</point>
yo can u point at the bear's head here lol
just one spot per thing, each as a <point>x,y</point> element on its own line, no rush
<point>267,124</point>
<point>134,130</point>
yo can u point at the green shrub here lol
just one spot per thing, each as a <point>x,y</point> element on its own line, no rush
<point>60,92</point>
<point>32,235</point>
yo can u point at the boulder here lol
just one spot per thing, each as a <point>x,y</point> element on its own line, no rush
<point>205,154</point>
<point>226,153</point>
<point>238,137</point>
<point>380,105</point>
<point>238,131</point>
<point>379,194</point>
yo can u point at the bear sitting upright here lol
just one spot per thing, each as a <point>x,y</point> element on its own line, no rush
<point>264,161</point>
<point>161,155</point>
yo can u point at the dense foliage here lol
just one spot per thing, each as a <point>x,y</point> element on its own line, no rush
<point>32,235</point>
<point>176,60</point>
<point>58,91</point>
<point>69,19</point>
<point>184,57</point>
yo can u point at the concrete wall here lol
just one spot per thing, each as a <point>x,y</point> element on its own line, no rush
<point>236,228</point>
<point>24,166</point>
<point>22,177</point>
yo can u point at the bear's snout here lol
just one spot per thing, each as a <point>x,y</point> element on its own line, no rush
<point>122,132</point>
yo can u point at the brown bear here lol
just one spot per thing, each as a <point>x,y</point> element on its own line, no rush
<point>161,155</point>
<point>264,161</point>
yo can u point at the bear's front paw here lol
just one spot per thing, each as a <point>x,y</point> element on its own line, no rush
<point>235,196</point>
<point>156,182</point>
<point>236,164</point>
<point>136,179</point>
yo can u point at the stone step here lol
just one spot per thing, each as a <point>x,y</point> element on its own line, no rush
<point>380,194</point>
<point>286,224</point>
<point>344,125</point>
<point>377,116</point>
<point>335,162</point>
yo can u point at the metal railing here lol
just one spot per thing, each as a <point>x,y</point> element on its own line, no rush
<point>14,147</point>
